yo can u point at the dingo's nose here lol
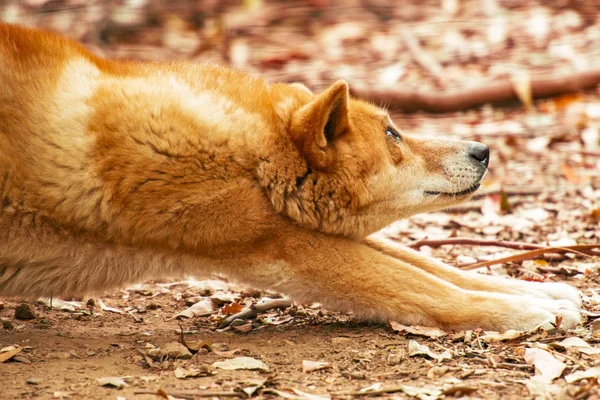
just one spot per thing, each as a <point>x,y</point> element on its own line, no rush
<point>480,152</point>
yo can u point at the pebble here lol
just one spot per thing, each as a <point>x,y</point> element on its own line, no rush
<point>24,311</point>
<point>6,324</point>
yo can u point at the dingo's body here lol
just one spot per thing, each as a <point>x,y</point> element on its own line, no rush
<point>112,172</point>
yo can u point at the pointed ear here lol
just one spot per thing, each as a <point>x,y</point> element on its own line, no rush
<point>315,126</point>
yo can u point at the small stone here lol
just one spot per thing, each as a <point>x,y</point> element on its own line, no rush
<point>91,302</point>
<point>21,359</point>
<point>153,306</point>
<point>24,311</point>
<point>33,381</point>
<point>6,324</point>
<point>1,305</point>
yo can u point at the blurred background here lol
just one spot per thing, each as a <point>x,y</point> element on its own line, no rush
<point>545,152</point>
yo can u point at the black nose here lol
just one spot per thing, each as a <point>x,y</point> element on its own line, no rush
<point>480,152</point>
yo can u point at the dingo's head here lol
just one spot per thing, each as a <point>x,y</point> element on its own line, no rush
<point>361,173</point>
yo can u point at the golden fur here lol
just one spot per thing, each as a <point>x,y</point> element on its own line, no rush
<point>112,172</point>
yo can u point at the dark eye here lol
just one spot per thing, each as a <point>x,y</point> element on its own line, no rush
<point>392,133</point>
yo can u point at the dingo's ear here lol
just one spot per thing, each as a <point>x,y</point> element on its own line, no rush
<point>316,125</point>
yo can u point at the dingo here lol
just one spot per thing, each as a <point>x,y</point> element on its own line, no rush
<point>112,172</point>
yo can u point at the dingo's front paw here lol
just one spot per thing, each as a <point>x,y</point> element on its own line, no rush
<point>558,291</point>
<point>531,312</point>
<point>543,290</point>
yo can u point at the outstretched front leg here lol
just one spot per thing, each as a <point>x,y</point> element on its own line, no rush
<point>348,275</point>
<point>472,280</point>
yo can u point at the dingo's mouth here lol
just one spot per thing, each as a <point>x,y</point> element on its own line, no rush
<point>461,193</point>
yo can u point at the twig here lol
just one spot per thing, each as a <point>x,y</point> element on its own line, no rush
<point>370,392</point>
<point>514,366</point>
<point>473,242</point>
<point>252,311</point>
<point>426,61</point>
<point>191,394</point>
<point>494,92</point>
<point>586,249</point>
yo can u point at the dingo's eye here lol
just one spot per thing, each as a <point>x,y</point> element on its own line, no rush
<point>392,133</point>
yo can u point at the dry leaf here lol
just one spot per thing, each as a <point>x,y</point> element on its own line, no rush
<point>232,308</point>
<point>9,352</point>
<point>200,309</point>
<point>540,388</point>
<point>422,393</point>
<point>560,103</point>
<point>112,381</point>
<point>579,375</point>
<point>182,373</point>
<point>104,307</point>
<point>579,344</point>
<point>223,297</point>
<point>545,364</point>
<point>522,87</point>
<point>277,319</point>
<point>372,388</point>
<point>429,332</point>
<point>310,366</point>
<point>62,305</point>
<point>570,174</point>
<point>172,350</point>
<point>255,384</point>
<point>197,345</point>
<point>241,363</point>
<point>595,214</point>
<point>416,349</point>
<point>194,346</point>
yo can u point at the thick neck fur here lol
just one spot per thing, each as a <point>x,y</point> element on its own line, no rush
<point>317,200</point>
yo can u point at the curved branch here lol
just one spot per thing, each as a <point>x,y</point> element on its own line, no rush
<point>494,92</point>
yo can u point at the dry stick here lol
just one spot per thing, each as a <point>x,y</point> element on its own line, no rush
<point>397,389</point>
<point>494,92</point>
<point>426,61</point>
<point>474,242</point>
<point>496,243</point>
<point>586,249</point>
<point>192,394</point>
<point>252,311</point>
<point>371,392</point>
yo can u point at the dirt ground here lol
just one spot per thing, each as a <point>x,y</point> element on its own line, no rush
<point>543,188</point>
